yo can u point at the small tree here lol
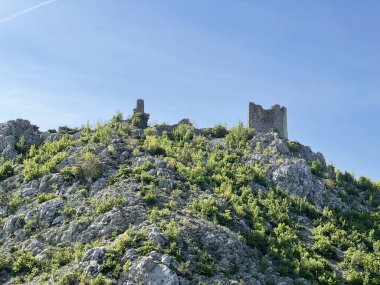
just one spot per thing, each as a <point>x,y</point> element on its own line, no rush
<point>140,120</point>
<point>88,167</point>
<point>317,168</point>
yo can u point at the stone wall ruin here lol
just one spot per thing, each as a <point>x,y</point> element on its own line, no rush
<point>264,121</point>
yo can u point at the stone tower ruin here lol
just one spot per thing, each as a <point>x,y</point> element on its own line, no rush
<point>140,118</point>
<point>139,107</point>
<point>264,121</point>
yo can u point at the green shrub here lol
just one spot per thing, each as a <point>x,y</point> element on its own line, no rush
<point>205,264</point>
<point>175,250</point>
<point>283,241</point>
<point>353,277</point>
<point>6,170</point>
<point>323,246</point>
<point>88,167</point>
<point>294,146</point>
<point>317,168</point>
<point>151,131</point>
<point>43,160</point>
<point>128,239</point>
<point>150,196</point>
<point>31,170</point>
<point>303,207</point>
<point>62,256</point>
<point>171,230</point>
<point>13,204</point>
<point>43,197</point>
<point>111,264</point>
<point>21,145</point>
<point>102,134</point>
<point>219,131</point>
<point>71,278</point>
<point>24,262</point>
<point>127,265</point>
<point>153,146</point>
<point>343,179</point>
<point>5,261</point>
<point>183,132</point>
<point>144,167</point>
<point>123,172</point>
<point>147,178</point>
<point>101,280</point>
<point>315,269</point>
<point>365,183</point>
<point>140,120</point>
<point>184,268</point>
<point>146,247</point>
<point>116,119</point>
<point>108,203</point>
<point>205,208</point>
<point>239,136</point>
<point>258,239</point>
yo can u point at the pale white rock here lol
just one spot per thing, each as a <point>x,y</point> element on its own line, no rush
<point>150,272</point>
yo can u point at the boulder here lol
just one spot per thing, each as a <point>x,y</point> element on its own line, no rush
<point>12,131</point>
<point>150,271</point>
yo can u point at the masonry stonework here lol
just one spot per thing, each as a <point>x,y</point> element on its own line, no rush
<point>139,107</point>
<point>264,121</point>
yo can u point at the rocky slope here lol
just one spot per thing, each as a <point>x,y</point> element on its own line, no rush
<point>174,205</point>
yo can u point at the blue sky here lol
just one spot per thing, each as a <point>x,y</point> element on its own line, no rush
<point>75,61</point>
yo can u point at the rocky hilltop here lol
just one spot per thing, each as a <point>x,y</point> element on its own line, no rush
<point>118,204</point>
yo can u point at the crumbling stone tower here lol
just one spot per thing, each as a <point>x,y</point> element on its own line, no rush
<point>140,118</point>
<point>264,121</point>
<point>139,107</point>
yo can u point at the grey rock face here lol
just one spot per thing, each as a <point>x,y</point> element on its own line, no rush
<point>12,224</point>
<point>29,189</point>
<point>94,254</point>
<point>12,131</point>
<point>50,137</point>
<point>150,271</point>
<point>18,128</point>
<point>47,212</point>
<point>158,237</point>
<point>48,182</point>
<point>104,225</point>
<point>7,147</point>
<point>35,246</point>
<point>3,211</point>
<point>92,269</point>
<point>223,245</point>
<point>295,177</point>
<point>130,254</point>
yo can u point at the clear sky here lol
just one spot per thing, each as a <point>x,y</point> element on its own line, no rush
<point>68,62</point>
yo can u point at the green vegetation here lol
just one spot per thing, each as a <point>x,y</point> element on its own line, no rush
<point>294,146</point>
<point>317,168</point>
<point>87,167</point>
<point>140,120</point>
<point>108,203</point>
<point>44,159</point>
<point>174,179</point>
<point>45,197</point>
<point>24,262</point>
<point>21,145</point>
<point>6,170</point>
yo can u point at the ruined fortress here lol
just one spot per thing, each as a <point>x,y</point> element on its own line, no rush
<point>139,107</point>
<point>263,121</point>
